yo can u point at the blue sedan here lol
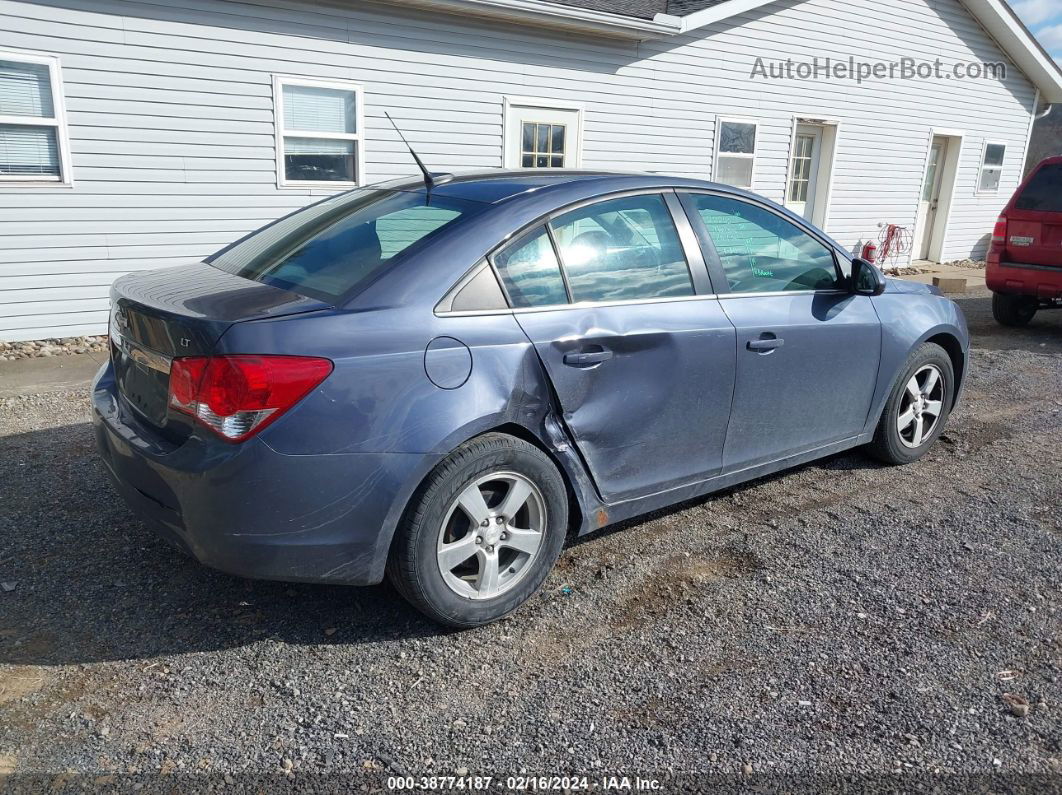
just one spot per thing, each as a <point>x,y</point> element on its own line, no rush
<point>440,381</point>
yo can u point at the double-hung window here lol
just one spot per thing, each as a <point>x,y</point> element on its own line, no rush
<point>991,167</point>
<point>735,152</point>
<point>319,132</point>
<point>34,148</point>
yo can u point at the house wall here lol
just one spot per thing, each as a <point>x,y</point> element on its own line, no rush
<point>172,133</point>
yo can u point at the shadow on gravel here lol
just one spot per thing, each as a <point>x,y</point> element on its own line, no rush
<point>94,584</point>
<point>91,583</point>
<point>1042,335</point>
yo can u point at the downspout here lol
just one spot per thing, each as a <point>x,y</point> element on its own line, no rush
<point>1044,113</point>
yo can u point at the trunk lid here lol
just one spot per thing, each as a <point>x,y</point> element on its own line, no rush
<point>159,315</point>
<point>1034,219</point>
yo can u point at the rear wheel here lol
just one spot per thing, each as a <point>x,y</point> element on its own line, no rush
<point>918,407</point>
<point>483,532</point>
<point>1013,310</point>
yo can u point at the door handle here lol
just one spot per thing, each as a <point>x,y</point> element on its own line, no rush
<point>587,358</point>
<point>765,345</point>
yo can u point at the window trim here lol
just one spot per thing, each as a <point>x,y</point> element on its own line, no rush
<point>58,123</point>
<point>742,155</point>
<point>511,105</point>
<point>978,190</point>
<point>280,132</point>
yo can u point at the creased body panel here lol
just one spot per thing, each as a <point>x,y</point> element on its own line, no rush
<point>653,415</point>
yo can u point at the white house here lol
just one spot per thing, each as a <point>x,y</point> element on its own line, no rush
<point>137,134</point>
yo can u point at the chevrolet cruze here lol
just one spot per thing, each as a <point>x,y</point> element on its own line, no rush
<point>439,380</point>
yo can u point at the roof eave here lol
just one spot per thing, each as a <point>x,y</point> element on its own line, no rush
<point>552,15</point>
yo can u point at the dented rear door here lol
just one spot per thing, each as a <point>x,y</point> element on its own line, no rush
<point>645,388</point>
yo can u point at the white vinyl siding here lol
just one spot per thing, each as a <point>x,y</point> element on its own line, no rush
<point>174,135</point>
<point>33,137</point>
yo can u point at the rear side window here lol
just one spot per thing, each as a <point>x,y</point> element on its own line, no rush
<point>761,251</point>
<point>622,249</point>
<point>1044,191</point>
<point>331,248</point>
<point>530,271</point>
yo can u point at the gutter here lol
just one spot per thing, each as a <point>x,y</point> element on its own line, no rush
<point>552,15</point>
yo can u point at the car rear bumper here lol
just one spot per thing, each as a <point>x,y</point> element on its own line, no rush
<point>250,511</point>
<point>1042,281</point>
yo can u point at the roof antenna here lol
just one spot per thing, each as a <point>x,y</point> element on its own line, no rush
<point>430,180</point>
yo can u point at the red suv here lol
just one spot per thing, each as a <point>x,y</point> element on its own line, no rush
<point>1025,259</point>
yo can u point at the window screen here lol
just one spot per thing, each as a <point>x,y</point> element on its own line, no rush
<point>737,152</point>
<point>763,252</point>
<point>991,167</point>
<point>320,135</point>
<point>30,146</point>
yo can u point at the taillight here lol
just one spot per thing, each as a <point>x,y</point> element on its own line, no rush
<point>999,232</point>
<point>237,396</point>
<point>999,242</point>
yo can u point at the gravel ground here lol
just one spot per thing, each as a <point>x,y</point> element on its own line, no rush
<point>842,618</point>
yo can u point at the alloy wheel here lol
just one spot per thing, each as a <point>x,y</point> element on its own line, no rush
<point>491,535</point>
<point>921,406</point>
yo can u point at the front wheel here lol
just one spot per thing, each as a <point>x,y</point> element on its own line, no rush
<point>918,407</point>
<point>482,533</point>
<point>1013,310</point>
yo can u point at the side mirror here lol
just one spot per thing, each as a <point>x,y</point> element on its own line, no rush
<point>866,279</point>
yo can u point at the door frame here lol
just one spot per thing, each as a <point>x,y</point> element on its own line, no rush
<point>938,232</point>
<point>831,133</point>
<point>510,107</point>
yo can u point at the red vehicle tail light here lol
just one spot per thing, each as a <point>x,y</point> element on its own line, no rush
<point>999,240</point>
<point>999,233</point>
<point>237,396</point>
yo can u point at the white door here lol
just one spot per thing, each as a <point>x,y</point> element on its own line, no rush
<point>804,170</point>
<point>930,199</point>
<point>542,137</point>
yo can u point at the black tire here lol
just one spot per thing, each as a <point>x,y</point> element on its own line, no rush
<point>1013,310</point>
<point>413,566</point>
<point>888,446</point>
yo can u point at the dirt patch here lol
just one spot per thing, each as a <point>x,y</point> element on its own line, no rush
<point>19,681</point>
<point>678,581</point>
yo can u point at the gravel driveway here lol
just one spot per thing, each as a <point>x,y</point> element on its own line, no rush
<point>841,618</point>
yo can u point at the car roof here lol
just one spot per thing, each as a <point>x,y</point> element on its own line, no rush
<point>499,185</point>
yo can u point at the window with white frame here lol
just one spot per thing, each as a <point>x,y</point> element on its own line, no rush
<point>991,167</point>
<point>319,132</point>
<point>542,133</point>
<point>735,152</point>
<point>33,139</point>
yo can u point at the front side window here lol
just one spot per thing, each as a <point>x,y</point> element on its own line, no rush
<point>761,251</point>
<point>735,152</point>
<point>319,135</point>
<point>991,167</point>
<point>621,250</point>
<point>331,248</point>
<point>33,144</point>
<point>529,269</point>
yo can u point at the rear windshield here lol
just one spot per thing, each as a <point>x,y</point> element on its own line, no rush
<point>331,248</point>
<point>1044,191</point>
